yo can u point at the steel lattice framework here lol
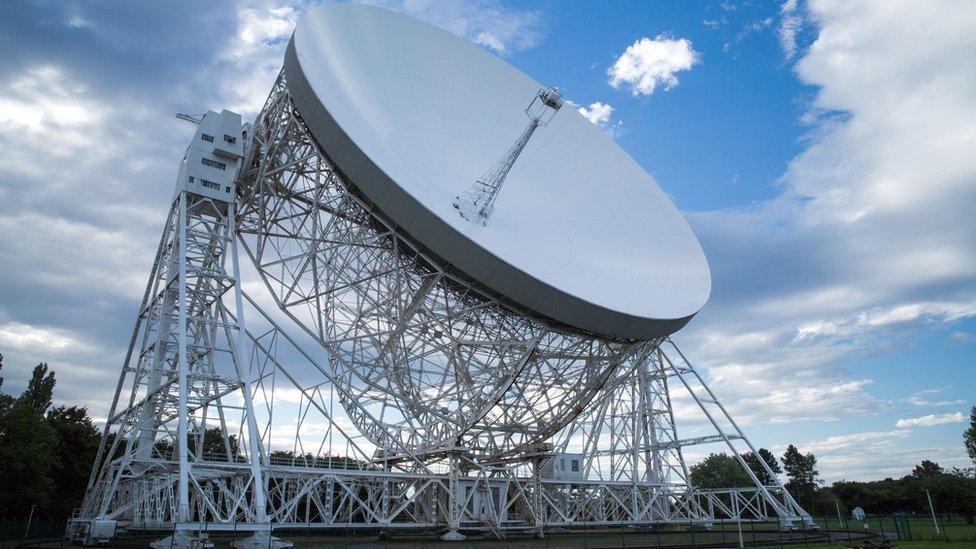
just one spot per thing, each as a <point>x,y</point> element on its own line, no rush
<point>382,389</point>
<point>427,362</point>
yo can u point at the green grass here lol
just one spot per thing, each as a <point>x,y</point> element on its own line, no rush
<point>902,545</point>
<point>959,534</point>
<point>922,529</point>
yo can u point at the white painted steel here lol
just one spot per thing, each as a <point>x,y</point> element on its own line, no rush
<point>400,394</point>
<point>412,115</point>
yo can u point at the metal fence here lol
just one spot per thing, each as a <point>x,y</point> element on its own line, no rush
<point>830,531</point>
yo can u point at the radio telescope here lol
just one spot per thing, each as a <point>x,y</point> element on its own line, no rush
<point>459,318</point>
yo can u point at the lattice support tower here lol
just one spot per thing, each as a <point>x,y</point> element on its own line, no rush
<point>374,388</point>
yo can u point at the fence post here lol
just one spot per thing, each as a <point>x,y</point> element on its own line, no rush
<point>29,519</point>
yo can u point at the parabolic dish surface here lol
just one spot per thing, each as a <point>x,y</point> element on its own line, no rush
<point>413,115</point>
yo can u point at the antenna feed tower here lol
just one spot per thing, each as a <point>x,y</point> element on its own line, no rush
<point>477,203</point>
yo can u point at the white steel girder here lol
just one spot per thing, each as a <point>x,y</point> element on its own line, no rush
<point>383,389</point>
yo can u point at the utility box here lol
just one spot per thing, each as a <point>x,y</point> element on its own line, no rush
<point>92,532</point>
<point>563,466</point>
<point>214,157</point>
<point>483,499</point>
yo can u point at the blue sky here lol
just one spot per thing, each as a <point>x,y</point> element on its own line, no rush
<point>822,151</point>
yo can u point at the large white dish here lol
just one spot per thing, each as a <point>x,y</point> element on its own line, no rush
<point>412,115</point>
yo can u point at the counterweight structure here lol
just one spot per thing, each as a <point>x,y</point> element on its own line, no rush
<point>397,367</point>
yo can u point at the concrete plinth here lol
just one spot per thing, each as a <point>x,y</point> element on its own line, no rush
<point>181,539</point>
<point>453,535</point>
<point>261,540</point>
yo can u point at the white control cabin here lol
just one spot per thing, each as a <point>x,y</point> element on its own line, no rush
<point>214,157</point>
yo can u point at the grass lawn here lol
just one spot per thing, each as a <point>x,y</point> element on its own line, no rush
<point>904,545</point>
<point>923,535</point>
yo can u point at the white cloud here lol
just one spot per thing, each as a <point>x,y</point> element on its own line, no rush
<point>42,99</point>
<point>868,320</point>
<point>868,244</point>
<point>488,23</point>
<point>17,336</point>
<point>599,114</point>
<point>751,27</point>
<point>875,455</point>
<point>255,52</point>
<point>960,338</point>
<point>650,63</point>
<point>790,24</point>
<point>264,26</point>
<point>923,398</point>
<point>929,420</point>
<point>852,441</point>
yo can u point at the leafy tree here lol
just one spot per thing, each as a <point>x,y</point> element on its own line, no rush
<point>40,389</point>
<point>76,449</point>
<point>969,436</point>
<point>719,471</point>
<point>6,401</point>
<point>27,448</point>
<point>801,470</point>
<point>287,457</point>
<point>824,502</point>
<point>45,459</point>
<point>213,446</point>
<point>955,493</point>
<point>756,465</point>
<point>928,469</point>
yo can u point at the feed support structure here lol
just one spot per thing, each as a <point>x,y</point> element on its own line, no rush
<point>372,386</point>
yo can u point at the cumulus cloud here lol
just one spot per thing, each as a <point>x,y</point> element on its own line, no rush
<point>597,113</point>
<point>600,115</point>
<point>929,420</point>
<point>868,245</point>
<point>648,64</point>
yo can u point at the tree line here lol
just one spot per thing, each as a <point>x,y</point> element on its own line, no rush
<point>952,490</point>
<point>47,453</point>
